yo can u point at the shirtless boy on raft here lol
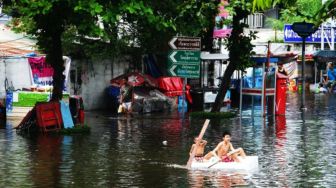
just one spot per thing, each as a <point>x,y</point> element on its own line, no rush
<point>225,150</point>
<point>199,149</point>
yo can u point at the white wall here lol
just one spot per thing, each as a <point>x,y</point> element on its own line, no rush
<point>265,35</point>
<point>96,78</point>
<point>17,71</point>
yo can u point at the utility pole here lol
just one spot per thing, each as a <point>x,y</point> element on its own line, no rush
<point>303,74</point>
<point>304,30</point>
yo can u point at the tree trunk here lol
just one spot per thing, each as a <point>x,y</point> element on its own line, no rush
<point>55,58</point>
<point>236,41</point>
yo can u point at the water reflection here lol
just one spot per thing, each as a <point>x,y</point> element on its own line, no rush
<point>199,178</point>
<point>45,156</point>
<point>280,154</point>
<point>14,165</point>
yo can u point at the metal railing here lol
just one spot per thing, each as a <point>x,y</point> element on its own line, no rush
<point>255,20</point>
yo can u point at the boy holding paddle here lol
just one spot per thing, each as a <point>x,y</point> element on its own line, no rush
<point>198,146</point>
<point>225,150</point>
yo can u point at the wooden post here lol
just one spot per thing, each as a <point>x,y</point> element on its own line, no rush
<point>263,91</point>
<point>241,94</point>
<point>265,69</point>
<point>184,95</point>
<point>200,136</point>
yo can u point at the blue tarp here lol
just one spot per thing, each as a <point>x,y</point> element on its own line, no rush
<point>9,102</point>
<point>66,115</point>
<point>182,103</point>
<point>151,67</point>
<point>113,91</point>
<point>264,59</point>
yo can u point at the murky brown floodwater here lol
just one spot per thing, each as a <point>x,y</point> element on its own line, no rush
<point>122,152</point>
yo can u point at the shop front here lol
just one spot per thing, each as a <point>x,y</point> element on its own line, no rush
<point>205,89</point>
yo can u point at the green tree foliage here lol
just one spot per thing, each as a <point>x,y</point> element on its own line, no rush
<point>267,4</point>
<point>197,18</point>
<point>239,46</point>
<point>328,10</point>
<point>47,21</point>
<point>304,10</point>
<point>96,28</point>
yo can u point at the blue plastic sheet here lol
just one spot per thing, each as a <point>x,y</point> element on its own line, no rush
<point>182,104</point>
<point>9,102</point>
<point>66,115</point>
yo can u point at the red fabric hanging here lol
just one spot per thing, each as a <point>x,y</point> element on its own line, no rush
<point>171,86</point>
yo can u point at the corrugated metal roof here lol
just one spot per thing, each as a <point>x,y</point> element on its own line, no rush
<point>13,44</point>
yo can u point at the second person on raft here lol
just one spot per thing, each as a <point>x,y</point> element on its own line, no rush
<point>225,150</point>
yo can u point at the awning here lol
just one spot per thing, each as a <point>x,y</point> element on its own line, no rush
<point>325,56</point>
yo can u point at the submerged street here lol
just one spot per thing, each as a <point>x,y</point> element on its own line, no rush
<point>90,93</point>
<point>296,151</point>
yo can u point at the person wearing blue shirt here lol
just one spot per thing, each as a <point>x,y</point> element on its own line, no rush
<point>331,77</point>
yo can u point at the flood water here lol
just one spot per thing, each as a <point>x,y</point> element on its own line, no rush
<point>294,151</point>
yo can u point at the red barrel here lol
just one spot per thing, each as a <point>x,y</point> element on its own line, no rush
<point>280,100</point>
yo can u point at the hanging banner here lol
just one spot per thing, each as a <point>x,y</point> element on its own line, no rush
<point>42,72</point>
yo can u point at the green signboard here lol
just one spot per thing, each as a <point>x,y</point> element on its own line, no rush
<point>184,63</point>
<point>187,71</point>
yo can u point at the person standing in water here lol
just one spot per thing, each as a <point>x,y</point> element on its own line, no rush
<point>281,72</point>
<point>331,79</point>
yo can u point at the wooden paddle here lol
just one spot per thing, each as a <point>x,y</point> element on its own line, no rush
<point>219,160</point>
<point>214,163</point>
<point>200,136</point>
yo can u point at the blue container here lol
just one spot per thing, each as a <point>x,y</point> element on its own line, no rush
<point>113,91</point>
<point>180,104</point>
